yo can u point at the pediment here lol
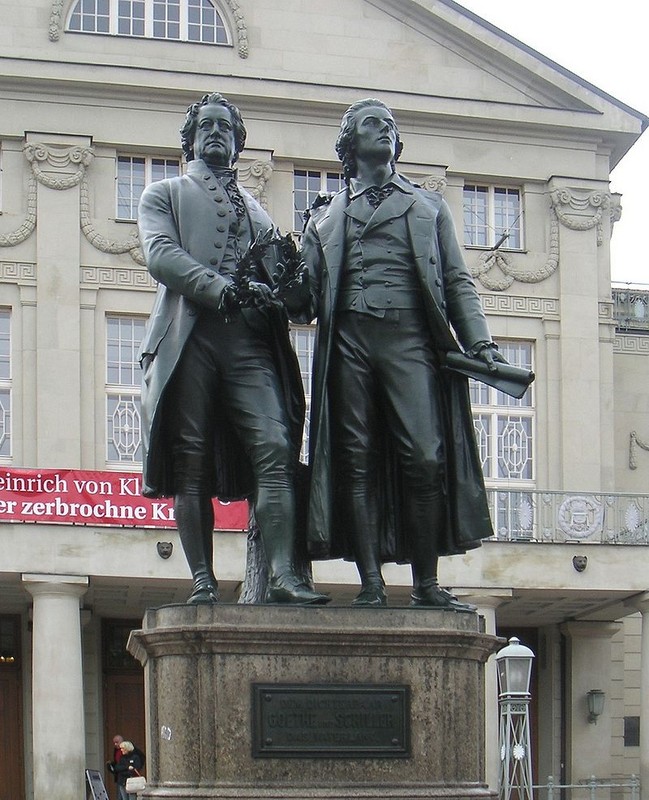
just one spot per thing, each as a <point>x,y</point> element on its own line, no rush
<point>437,52</point>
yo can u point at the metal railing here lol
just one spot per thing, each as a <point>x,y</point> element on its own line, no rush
<point>569,517</point>
<point>592,789</point>
<point>631,308</point>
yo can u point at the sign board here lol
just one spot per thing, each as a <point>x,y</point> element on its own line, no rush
<point>331,721</point>
<point>84,497</point>
<point>96,785</point>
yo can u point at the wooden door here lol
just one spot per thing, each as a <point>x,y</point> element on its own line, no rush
<point>123,692</point>
<point>12,768</point>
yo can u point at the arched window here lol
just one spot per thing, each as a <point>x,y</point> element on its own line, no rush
<point>179,20</point>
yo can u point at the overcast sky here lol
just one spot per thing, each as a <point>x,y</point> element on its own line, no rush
<point>605,43</point>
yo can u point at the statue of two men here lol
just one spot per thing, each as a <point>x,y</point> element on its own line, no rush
<point>395,473</point>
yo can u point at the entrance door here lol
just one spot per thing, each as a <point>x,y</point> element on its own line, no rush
<point>12,768</point>
<point>123,692</point>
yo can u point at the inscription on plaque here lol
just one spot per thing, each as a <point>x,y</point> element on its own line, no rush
<point>330,721</point>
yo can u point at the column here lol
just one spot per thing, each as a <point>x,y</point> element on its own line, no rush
<point>642,604</point>
<point>57,686</point>
<point>588,667</point>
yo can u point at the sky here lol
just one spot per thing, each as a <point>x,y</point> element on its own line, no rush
<point>606,44</point>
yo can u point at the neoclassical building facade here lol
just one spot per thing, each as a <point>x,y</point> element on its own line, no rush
<point>92,94</point>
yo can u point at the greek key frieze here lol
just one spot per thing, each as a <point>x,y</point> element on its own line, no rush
<point>631,345</point>
<point>116,278</point>
<point>17,272</point>
<point>512,305</point>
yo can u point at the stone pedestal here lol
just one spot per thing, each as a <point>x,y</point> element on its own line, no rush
<point>204,666</point>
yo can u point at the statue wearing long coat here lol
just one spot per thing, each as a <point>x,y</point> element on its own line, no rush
<point>449,296</point>
<point>184,238</point>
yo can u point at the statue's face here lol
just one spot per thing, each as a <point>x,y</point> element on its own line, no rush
<point>376,135</point>
<point>214,137</point>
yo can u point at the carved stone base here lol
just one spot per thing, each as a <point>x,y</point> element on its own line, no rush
<point>214,672</point>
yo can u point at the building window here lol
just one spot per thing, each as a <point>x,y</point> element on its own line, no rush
<point>123,421</point>
<point>504,425</point>
<point>632,731</point>
<point>307,185</point>
<point>5,384</point>
<point>505,434</point>
<point>136,172</point>
<point>492,216</point>
<point>302,339</point>
<point>179,20</point>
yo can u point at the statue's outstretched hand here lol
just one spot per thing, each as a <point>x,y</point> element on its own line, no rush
<point>259,295</point>
<point>294,291</point>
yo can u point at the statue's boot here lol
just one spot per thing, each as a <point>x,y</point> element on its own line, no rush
<point>275,515</point>
<point>195,523</point>
<point>363,521</point>
<point>428,519</point>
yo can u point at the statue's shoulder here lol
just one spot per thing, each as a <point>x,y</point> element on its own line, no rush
<point>318,206</point>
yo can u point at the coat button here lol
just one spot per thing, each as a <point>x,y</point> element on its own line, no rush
<point>214,261</point>
<point>218,199</point>
<point>218,245</point>
<point>221,212</point>
<point>220,228</point>
<point>438,282</point>
<point>210,275</point>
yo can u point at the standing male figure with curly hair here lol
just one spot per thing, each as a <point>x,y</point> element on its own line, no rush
<point>395,471</point>
<point>222,398</point>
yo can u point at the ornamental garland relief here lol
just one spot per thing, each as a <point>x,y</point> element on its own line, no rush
<point>61,167</point>
<point>572,208</point>
<point>55,28</point>
<point>634,443</point>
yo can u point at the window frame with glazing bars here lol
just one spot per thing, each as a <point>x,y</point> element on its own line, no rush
<point>118,392</point>
<point>317,181</point>
<point>125,195</point>
<point>485,224</point>
<point>164,20</point>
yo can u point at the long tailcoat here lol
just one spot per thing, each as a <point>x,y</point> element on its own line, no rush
<point>449,295</point>
<point>184,226</point>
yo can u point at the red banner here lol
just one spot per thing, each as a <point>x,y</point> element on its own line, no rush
<point>83,497</point>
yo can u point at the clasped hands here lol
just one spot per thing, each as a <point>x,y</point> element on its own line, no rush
<point>249,293</point>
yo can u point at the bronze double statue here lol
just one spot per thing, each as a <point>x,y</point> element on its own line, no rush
<point>395,472</point>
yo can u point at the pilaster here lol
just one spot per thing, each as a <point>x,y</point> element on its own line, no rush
<point>641,603</point>
<point>588,745</point>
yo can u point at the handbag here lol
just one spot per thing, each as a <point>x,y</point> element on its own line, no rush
<point>137,784</point>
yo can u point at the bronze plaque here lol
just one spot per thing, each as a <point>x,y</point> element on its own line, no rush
<point>330,721</point>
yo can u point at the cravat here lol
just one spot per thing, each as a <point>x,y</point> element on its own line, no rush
<point>376,196</point>
<point>234,194</point>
